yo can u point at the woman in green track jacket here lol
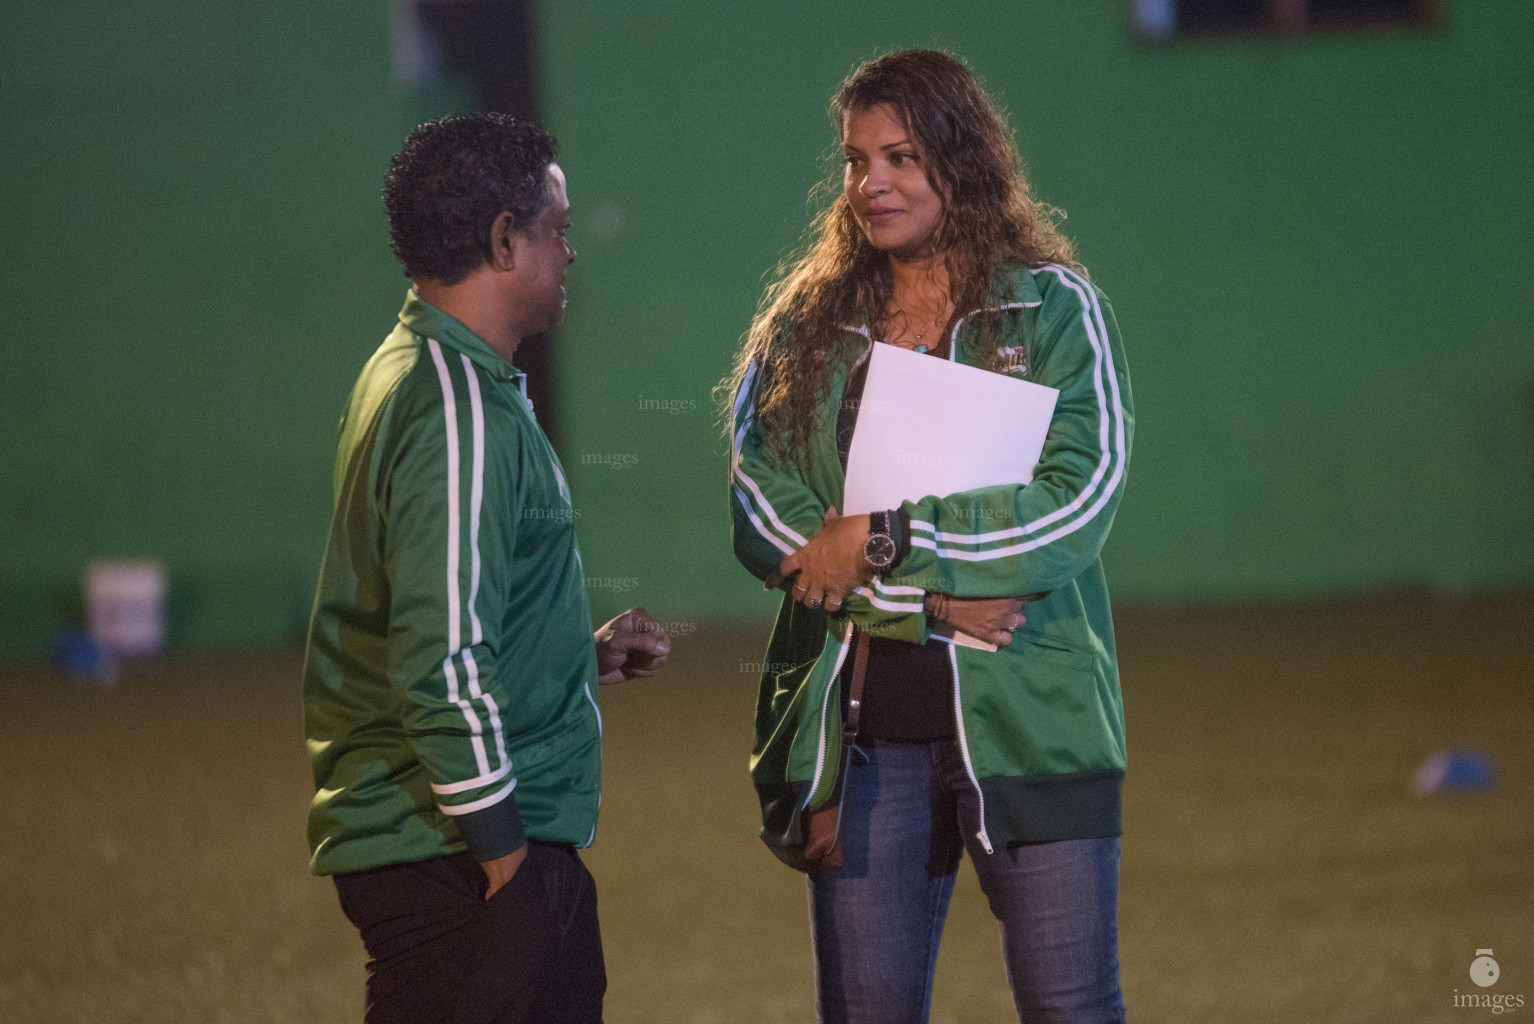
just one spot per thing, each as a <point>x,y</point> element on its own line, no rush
<point>1017,754</point>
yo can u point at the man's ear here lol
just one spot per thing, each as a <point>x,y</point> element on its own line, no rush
<point>503,241</point>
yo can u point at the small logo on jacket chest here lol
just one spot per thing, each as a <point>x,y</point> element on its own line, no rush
<point>1013,360</point>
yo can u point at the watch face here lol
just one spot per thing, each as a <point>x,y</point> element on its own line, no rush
<point>879,550</point>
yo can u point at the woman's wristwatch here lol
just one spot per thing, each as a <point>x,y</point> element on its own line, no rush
<point>882,549</point>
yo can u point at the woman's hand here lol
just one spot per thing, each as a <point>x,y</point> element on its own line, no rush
<point>991,619</point>
<point>832,563</point>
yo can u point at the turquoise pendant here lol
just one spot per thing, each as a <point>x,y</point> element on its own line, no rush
<point>921,350</point>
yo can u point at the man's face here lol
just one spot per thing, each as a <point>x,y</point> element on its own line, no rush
<point>541,256</point>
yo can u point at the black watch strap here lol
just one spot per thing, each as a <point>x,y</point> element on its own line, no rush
<point>880,548</point>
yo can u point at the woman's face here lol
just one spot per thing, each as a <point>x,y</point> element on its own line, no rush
<point>885,179</point>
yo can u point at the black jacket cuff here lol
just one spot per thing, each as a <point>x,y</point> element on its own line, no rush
<point>493,832</point>
<point>900,533</point>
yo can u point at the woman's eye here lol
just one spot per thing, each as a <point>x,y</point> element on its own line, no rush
<point>899,158</point>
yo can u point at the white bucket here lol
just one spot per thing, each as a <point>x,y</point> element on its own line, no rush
<point>125,606</point>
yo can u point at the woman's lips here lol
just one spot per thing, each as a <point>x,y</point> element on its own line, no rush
<point>883,216</point>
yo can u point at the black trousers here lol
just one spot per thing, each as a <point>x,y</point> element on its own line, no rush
<point>440,953</point>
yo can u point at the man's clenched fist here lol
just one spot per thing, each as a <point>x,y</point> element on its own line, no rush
<point>631,646</point>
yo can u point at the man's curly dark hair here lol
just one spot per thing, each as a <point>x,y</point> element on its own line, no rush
<point>452,179</point>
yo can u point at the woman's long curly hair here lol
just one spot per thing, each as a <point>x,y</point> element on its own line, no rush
<point>990,223</point>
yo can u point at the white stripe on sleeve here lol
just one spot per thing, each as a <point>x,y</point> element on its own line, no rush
<point>453,810</point>
<point>745,503</point>
<point>476,496</point>
<point>454,527</point>
<point>450,788</point>
<point>893,598</point>
<point>888,605</point>
<point>476,502</point>
<point>476,739</point>
<point>766,506</point>
<point>744,413</point>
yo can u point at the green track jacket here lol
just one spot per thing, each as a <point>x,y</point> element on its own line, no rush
<point>1040,723</point>
<point>450,683</point>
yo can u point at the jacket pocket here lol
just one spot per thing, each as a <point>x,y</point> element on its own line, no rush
<point>1038,710</point>
<point>1052,651</point>
<point>533,754</point>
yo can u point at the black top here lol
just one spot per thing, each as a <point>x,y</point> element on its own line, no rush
<point>908,689</point>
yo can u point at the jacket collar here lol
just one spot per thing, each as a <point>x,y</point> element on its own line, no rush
<point>1014,289</point>
<point>1019,285</point>
<point>428,321</point>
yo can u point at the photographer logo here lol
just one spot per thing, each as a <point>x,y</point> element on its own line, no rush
<point>1485,971</point>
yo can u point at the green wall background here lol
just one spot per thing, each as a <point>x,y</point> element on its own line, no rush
<point>1316,248</point>
<point>1317,251</point>
<point>195,266</point>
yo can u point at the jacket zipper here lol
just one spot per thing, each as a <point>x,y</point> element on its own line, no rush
<point>953,651</point>
<point>825,708</point>
<point>969,766</point>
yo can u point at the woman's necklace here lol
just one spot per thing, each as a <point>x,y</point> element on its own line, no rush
<point>942,315</point>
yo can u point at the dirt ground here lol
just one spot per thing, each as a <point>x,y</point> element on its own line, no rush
<point>1276,868</point>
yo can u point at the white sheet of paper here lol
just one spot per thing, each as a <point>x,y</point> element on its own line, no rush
<point>931,426</point>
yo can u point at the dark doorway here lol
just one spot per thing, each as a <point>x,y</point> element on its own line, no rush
<point>490,47</point>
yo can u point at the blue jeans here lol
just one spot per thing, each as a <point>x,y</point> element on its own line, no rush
<point>908,814</point>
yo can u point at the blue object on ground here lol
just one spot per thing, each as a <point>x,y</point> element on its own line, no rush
<point>80,658</point>
<point>1462,769</point>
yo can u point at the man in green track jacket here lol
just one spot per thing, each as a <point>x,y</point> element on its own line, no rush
<point>450,688</point>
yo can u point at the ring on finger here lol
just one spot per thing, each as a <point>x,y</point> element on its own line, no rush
<point>813,602</point>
